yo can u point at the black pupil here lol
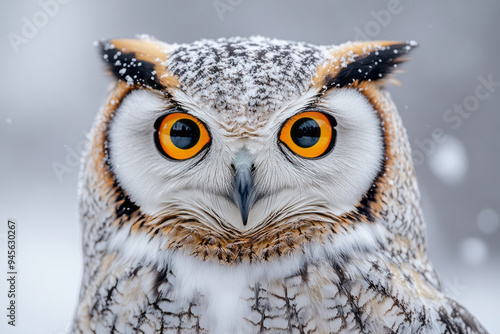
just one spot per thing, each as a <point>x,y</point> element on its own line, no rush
<point>305,132</point>
<point>185,134</point>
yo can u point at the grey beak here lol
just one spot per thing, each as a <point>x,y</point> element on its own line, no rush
<point>243,184</point>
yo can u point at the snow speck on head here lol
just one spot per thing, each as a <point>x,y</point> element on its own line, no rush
<point>130,81</point>
<point>449,163</point>
<point>488,221</point>
<point>473,251</point>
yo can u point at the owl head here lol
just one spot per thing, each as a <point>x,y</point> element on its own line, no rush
<point>249,149</point>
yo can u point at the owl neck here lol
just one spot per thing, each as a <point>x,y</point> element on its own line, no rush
<point>351,271</point>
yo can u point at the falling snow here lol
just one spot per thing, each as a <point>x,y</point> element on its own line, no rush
<point>473,251</point>
<point>449,163</point>
<point>488,221</point>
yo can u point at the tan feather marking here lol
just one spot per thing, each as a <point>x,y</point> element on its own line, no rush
<point>105,179</point>
<point>264,244</point>
<point>372,92</point>
<point>425,289</point>
<point>416,287</point>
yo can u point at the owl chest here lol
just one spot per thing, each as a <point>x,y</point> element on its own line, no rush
<point>204,300</point>
<point>236,302</point>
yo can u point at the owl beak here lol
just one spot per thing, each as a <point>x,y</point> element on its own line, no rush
<point>243,185</point>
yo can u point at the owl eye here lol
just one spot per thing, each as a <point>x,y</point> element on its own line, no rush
<point>180,136</point>
<point>309,134</point>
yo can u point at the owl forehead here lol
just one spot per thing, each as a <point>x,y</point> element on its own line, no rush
<point>244,80</point>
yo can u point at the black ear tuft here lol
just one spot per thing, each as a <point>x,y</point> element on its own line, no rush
<point>126,62</point>
<point>373,65</point>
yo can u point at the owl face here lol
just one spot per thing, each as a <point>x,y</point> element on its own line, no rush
<point>238,138</point>
<point>239,160</point>
<point>312,157</point>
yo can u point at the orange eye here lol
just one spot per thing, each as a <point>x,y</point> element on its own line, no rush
<point>180,136</point>
<point>309,134</point>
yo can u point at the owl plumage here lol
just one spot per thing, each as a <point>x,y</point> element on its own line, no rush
<point>253,185</point>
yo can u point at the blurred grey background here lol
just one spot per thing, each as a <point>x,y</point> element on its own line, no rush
<point>52,84</point>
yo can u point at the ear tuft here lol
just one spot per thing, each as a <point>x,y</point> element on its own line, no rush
<point>138,62</point>
<point>369,61</point>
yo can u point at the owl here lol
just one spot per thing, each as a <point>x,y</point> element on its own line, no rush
<point>254,185</point>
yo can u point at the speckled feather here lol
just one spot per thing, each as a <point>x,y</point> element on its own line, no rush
<point>362,271</point>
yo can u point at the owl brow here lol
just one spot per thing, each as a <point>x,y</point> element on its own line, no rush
<point>312,104</point>
<point>372,66</point>
<point>173,105</point>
